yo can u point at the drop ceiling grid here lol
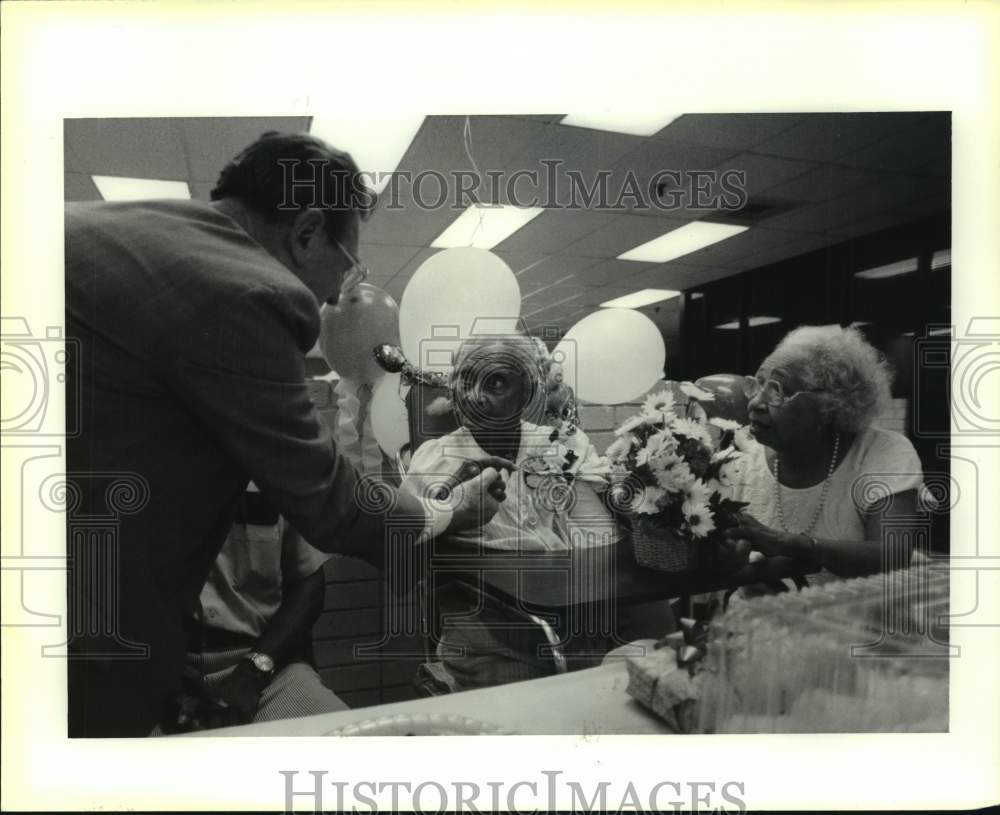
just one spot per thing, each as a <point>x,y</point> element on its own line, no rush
<point>852,175</point>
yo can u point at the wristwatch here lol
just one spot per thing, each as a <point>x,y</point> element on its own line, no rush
<point>261,663</point>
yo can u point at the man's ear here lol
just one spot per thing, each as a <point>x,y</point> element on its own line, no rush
<point>306,229</point>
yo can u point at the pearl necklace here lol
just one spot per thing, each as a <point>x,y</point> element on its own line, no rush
<point>822,495</point>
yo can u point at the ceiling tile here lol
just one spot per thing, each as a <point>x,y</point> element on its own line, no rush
<point>212,141</point>
<point>692,276</point>
<point>874,223</point>
<point>547,296</point>
<point>823,216</point>
<point>829,136</point>
<point>79,187</point>
<point>730,252</point>
<point>609,272</point>
<point>415,263</point>
<point>440,147</point>
<point>534,270</point>
<point>926,141</point>
<point>384,261</point>
<point>647,165</point>
<point>799,246</point>
<point>764,172</point>
<point>673,275</point>
<point>555,229</point>
<point>824,183</point>
<point>601,294</point>
<point>734,131</point>
<point>578,150</point>
<point>410,225</point>
<point>552,311</point>
<point>621,234</point>
<point>134,148</point>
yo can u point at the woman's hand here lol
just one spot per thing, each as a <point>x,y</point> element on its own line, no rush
<point>734,554</point>
<point>764,539</point>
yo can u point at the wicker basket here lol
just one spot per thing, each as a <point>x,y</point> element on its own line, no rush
<point>657,548</point>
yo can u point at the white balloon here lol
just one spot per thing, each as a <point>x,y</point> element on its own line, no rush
<point>389,418</point>
<point>454,294</point>
<point>612,356</point>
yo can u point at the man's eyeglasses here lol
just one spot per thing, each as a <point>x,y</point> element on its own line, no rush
<point>356,275</point>
<point>771,391</point>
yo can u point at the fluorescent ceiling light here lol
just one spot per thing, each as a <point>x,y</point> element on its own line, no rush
<point>483,227</point>
<point>117,188</point>
<point>939,332</point>
<point>641,298</point>
<point>900,267</point>
<point>683,241</point>
<point>636,124</point>
<point>376,144</point>
<point>752,322</point>
<point>941,259</point>
<point>553,305</point>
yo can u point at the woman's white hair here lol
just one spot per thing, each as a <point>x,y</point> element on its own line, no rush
<point>853,376</point>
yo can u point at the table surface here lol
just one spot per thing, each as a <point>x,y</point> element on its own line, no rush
<point>581,576</point>
<point>587,702</point>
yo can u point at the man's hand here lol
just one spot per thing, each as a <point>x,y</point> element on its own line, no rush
<point>469,470</point>
<point>473,494</point>
<point>237,697</point>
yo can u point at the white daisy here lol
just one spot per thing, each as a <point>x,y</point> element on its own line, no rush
<point>698,492</point>
<point>646,502</point>
<point>723,490</point>
<point>724,424</point>
<point>698,517</point>
<point>658,405</point>
<point>675,479</point>
<point>657,447</point>
<point>694,392</point>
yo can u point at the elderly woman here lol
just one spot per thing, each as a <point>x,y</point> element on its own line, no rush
<point>499,385</point>
<point>822,480</point>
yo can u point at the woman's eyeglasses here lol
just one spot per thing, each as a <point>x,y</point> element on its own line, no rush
<point>771,391</point>
<point>356,275</point>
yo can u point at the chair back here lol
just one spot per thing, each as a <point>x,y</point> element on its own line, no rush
<point>424,425</point>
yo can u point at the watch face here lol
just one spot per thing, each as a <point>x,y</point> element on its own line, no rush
<point>263,663</point>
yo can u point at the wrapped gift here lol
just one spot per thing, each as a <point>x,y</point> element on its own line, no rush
<point>666,680</point>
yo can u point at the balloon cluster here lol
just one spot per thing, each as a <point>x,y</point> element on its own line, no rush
<point>609,357</point>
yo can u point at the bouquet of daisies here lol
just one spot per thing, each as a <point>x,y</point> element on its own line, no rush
<point>676,473</point>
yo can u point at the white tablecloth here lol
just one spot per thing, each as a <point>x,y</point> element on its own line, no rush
<point>587,702</point>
